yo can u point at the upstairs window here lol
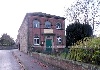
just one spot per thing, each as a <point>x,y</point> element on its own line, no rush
<point>59,40</point>
<point>58,26</point>
<point>36,40</point>
<point>36,24</point>
<point>47,24</point>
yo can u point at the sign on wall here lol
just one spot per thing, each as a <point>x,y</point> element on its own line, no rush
<point>48,30</point>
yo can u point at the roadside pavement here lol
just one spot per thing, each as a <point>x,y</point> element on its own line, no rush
<point>30,63</point>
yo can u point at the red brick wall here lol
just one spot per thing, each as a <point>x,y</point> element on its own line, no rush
<point>33,31</point>
<point>27,32</point>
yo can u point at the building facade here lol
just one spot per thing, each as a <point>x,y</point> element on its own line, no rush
<point>41,32</point>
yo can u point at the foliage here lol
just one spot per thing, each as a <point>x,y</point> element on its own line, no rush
<point>87,10</point>
<point>77,31</point>
<point>6,40</point>
<point>86,50</point>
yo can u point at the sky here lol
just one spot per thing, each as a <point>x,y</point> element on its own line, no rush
<point>12,12</point>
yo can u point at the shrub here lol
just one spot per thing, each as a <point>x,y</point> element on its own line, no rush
<point>86,50</point>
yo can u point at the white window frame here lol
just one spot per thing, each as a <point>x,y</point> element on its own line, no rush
<point>57,26</point>
<point>47,24</point>
<point>36,38</point>
<point>59,40</point>
<point>36,24</point>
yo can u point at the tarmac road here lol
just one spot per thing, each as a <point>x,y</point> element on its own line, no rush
<point>8,61</point>
<point>16,60</point>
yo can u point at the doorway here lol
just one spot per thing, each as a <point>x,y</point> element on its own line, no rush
<point>48,45</point>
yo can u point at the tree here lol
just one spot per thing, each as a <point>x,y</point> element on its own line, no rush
<point>77,31</point>
<point>6,40</point>
<point>87,10</point>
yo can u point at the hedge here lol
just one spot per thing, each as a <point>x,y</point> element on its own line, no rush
<point>86,50</point>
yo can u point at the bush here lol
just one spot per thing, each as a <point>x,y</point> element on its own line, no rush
<point>77,31</point>
<point>86,50</point>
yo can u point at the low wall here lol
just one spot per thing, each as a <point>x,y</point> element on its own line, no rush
<point>8,47</point>
<point>64,64</point>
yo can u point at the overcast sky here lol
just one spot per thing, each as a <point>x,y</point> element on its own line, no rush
<point>12,12</point>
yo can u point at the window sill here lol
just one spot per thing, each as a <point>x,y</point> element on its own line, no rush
<point>36,27</point>
<point>47,28</point>
<point>58,28</point>
<point>36,44</point>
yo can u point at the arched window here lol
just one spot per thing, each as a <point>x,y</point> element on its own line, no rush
<point>47,24</point>
<point>59,40</point>
<point>36,40</point>
<point>58,26</point>
<point>36,24</point>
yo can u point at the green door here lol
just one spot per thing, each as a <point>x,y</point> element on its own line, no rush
<point>48,45</point>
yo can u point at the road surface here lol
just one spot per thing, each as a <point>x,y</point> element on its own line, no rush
<point>8,61</point>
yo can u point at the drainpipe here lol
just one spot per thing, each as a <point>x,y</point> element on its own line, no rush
<point>28,35</point>
<point>66,48</point>
<point>40,33</point>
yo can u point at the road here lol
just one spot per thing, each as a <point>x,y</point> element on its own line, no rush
<point>7,61</point>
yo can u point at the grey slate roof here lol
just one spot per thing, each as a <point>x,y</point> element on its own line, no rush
<point>44,15</point>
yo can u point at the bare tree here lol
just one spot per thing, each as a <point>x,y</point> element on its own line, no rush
<point>87,10</point>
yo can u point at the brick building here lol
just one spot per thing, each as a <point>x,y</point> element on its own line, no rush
<point>41,32</point>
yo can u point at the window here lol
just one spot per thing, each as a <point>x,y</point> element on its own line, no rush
<point>36,24</point>
<point>47,24</point>
<point>59,40</point>
<point>58,26</point>
<point>36,40</point>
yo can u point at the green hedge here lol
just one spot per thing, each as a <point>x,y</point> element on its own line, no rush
<point>87,51</point>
